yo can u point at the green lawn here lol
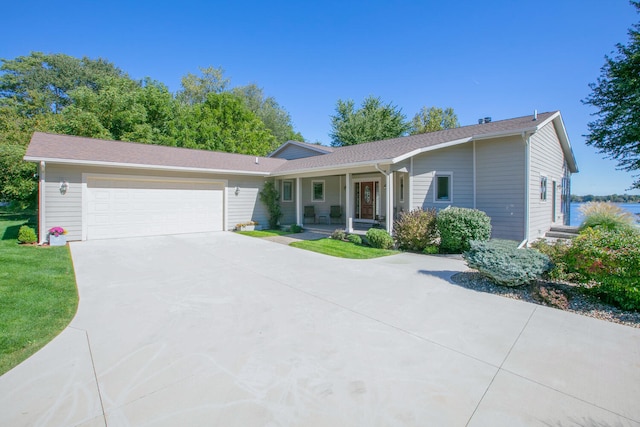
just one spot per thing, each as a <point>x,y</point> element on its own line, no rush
<point>342,249</point>
<point>264,233</point>
<point>38,294</point>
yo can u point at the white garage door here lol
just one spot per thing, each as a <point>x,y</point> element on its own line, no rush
<point>130,207</point>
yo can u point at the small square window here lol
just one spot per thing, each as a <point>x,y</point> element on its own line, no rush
<point>287,191</point>
<point>543,188</point>
<point>318,191</point>
<point>443,188</point>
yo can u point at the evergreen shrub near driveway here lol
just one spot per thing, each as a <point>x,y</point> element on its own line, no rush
<point>504,263</point>
<point>459,226</point>
<point>380,239</point>
<point>416,230</point>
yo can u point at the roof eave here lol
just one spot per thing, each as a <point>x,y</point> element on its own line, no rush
<point>371,163</point>
<point>141,166</point>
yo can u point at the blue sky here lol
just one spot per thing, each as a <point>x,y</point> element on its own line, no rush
<point>498,58</point>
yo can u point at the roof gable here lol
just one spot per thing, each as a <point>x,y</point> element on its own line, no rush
<point>300,147</point>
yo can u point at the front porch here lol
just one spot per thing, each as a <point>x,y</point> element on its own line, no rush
<point>326,229</point>
<point>353,202</point>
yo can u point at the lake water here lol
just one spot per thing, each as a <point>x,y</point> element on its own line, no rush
<point>576,216</point>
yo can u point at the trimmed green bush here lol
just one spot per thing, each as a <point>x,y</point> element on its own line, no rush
<point>295,228</point>
<point>416,229</point>
<point>27,234</point>
<point>504,263</point>
<point>458,226</point>
<point>354,238</point>
<point>339,234</point>
<point>380,239</point>
<point>430,250</point>
<point>607,216</point>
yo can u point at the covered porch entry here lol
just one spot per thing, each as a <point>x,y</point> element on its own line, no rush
<point>353,200</point>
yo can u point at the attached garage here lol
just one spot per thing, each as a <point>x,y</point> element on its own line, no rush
<point>125,206</point>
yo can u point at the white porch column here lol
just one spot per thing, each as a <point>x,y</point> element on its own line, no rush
<point>389,207</point>
<point>41,203</point>
<point>299,201</point>
<point>348,215</point>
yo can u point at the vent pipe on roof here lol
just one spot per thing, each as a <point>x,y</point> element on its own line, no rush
<point>257,161</point>
<point>535,115</point>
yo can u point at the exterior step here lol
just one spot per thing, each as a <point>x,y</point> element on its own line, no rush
<point>562,232</point>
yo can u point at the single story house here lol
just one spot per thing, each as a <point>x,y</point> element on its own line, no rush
<point>518,171</point>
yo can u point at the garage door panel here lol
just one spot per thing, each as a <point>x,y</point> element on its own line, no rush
<point>145,207</point>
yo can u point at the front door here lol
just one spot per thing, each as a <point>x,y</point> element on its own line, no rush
<point>367,200</point>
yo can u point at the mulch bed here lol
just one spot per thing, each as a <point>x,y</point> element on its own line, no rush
<point>560,295</point>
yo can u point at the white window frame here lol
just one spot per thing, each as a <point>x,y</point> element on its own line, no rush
<point>290,199</point>
<point>437,175</point>
<point>324,188</point>
<point>544,195</point>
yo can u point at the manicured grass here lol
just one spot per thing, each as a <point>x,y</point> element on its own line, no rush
<point>342,249</point>
<point>38,294</point>
<point>264,233</point>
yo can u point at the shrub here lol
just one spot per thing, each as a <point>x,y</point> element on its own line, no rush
<point>27,234</point>
<point>271,198</point>
<point>430,250</point>
<point>355,239</point>
<point>598,253</point>
<point>504,263</point>
<point>458,226</point>
<point>605,215</point>
<point>295,228</point>
<point>621,292</point>
<point>557,252</point>
<point>378,238</point>
<point>339,234</point>
<point>416,229</point>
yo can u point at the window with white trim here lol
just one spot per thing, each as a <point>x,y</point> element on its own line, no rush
<point>443,191</point>
<point>543,188</point>
<point>317,191</point>
<point>402,188</point>
<point>287,191</point>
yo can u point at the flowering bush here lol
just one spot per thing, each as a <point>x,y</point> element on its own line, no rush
<point>56,231</point>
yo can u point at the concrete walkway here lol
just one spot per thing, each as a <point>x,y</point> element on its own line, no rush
<point>226,330</point>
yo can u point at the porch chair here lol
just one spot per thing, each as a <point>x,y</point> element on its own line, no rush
<point>309,212</point>
<point>335,213</point>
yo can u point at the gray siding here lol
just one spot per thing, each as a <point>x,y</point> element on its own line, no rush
<point>546,159</point>
<point>66,210</point>
<point>288,208</point>
<point>500,190</point>
<point>333,194</point>
<point>459,161</point>
<point>292,152</point>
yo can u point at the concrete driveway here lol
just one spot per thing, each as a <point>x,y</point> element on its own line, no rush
<point>227,330</point>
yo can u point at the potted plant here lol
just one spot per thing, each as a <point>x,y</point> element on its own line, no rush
<point>57,236</point>
<point>246,226</point>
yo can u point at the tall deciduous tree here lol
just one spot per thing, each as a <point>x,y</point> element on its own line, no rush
<point>223,123</point>
<point>373,121</point>
<point>432,119</point>
<point>275,118</point>
<point>196,88</point>
<point>616,130</point>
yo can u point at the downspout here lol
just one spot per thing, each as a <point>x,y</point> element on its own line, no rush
<point>41,203</point>
<point>527,184</point>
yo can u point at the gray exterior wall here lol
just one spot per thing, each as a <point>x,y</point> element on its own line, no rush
<point>334,194</point>
<point>459,161</point>
<point>66,210</point>
<point>288,208</point>
<point>292,152</point>
<point>546,159</point>
<point>500,188</point>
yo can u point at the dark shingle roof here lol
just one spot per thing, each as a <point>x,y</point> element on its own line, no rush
<point>74,149</point>
<point>389,149</point>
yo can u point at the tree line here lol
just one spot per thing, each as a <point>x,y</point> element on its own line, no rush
<point>615,198</point>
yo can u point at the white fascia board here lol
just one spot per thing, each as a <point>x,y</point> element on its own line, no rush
<point>431,148</point>
<point>141,166</point>
<point>566,144</point>
<point>371,163</point>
